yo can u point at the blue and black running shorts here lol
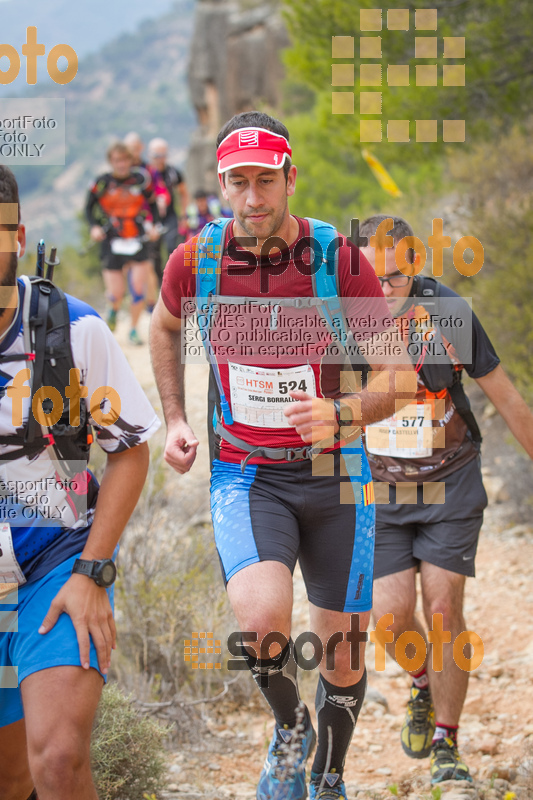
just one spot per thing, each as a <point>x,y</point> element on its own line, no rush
<point>284,512</point>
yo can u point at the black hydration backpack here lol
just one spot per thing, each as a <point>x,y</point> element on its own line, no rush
<point>444,375</point>
<point>46,330</point>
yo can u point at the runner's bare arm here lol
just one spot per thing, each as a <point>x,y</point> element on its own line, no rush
<point>86,603</point>
<point>184,198</point>
<point>169,371</point>
<point>391,384</point>
<point>510,404</point>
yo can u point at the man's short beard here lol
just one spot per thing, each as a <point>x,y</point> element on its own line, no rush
<point>10,278</point>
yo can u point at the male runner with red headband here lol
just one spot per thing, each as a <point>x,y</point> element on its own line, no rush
<point>275,498</point>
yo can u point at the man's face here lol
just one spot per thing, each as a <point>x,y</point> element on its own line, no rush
<point>201,205</point>
<point>159,158</point>
<point>258,198</point>
<point>400,288</point>
<point>8,271</point>
<point>136,148</point>
<point>120,164</point>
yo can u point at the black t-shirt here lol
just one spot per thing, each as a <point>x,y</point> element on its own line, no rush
<point>164,184</point>
<point>429,440</point>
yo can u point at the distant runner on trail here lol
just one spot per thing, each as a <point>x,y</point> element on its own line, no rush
<point>434,532</point>
<point>205,208</point>
<point>167,181</point>
<point>115,212</point>
<point>288,482</point>
<point>135,145</point>
<point>59,528</point>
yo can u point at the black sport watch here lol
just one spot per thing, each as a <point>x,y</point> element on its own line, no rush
<point>102,572</point>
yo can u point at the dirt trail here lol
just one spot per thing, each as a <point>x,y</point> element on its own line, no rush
<point>497,723</point>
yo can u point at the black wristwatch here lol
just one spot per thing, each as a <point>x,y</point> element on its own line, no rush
<point>102,572</point>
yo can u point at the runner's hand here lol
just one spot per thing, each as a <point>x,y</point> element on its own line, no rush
<point>313,417</point>
<point>152,231</point>
<point>97,233</point>
<point>180,447</point>
<point>90,611</point>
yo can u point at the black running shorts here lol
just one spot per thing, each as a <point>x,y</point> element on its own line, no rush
<point>284,512</point>
<point>445,535</point>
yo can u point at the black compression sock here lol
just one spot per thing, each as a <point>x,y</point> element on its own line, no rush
<point>278,684</point>
<point>337,709</point>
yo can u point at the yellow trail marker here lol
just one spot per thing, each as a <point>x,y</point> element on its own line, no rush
<point>381,174</point>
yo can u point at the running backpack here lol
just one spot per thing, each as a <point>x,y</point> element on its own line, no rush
<point>443,375</point>
<point>48,354</point>
<point>324,242</point>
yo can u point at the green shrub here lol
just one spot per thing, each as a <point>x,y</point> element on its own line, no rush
<point>128,755</point>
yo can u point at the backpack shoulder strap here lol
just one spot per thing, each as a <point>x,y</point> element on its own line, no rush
<point>325,244</point>
<point>210,249</point>
<point>427,286</point>
<point>209,246</point>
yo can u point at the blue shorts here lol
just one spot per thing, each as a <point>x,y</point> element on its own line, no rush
<point>290,511</point>
<point>23,650</point>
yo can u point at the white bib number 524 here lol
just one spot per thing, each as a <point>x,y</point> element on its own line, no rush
<point>259,396</point>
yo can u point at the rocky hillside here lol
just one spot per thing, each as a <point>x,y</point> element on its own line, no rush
<point>85,25</point>
<point>136,82</point>
<point>235,66</point>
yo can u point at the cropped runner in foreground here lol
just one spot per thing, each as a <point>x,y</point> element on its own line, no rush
<point>117,209</point>
<point>432,450</point>
<point>58,529</point>
<point>287,484</point>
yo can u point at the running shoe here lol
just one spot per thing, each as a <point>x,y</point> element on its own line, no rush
<point>446,763</point>
<point>112,319</point>
<point>327,787</point>
<point>283,775</point>
<point>419,725</point>
<point>134,337</point>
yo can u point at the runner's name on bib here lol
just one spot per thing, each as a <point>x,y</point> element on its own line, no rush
<point>10,571</point>
<point>125,247</point>
<point>259,396</point>
<point>404,435</point>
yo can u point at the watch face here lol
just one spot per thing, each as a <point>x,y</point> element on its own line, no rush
<point>107,574</point>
